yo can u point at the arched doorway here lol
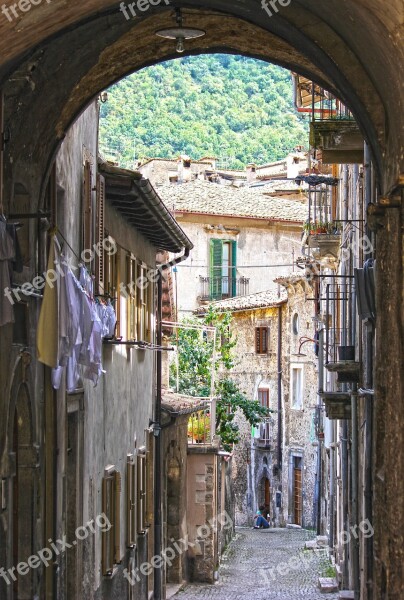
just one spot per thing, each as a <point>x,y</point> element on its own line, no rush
<point>24,491</point>
<point>174,568</point>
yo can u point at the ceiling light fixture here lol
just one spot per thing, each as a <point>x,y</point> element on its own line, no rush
<point>180,33</point>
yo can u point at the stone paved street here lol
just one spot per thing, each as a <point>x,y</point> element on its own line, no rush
<point>266,565</point>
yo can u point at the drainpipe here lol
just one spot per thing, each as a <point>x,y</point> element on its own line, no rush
<point>319,449</point>
<point>355,415</point>
<point>280,414</point>
<point>354,483</point>
<point>158,542</point>
<point>368,491</point>
<point>345,429</point>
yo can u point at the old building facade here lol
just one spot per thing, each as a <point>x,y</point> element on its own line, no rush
<point>241,240</point>
<point>78,442</point>
<point>275,463</point>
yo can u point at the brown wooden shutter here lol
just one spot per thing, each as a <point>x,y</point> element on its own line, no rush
<point>117,518</point>
<point>87,207</point>
<point>257,340</point>
<point>131,508</point>
<point>264,338</point>
<point>99,266</point>
<point>261,340</point>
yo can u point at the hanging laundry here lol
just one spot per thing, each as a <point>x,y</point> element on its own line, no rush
<point>7,254</point>
<point>17,263</point>
<point>48,324</point>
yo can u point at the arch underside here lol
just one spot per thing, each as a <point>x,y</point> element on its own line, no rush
<point>61,58</point>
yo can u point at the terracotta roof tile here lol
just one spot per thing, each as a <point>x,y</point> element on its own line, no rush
<point>259,300</point>
<point>182,404</point>
<point>213,199</point>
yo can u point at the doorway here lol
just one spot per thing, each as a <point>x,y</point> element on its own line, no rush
<point>297,490</point>
<point>23,492</point>
<point>74,497</point>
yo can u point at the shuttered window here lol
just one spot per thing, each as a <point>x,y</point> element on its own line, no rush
<point>111,507</point>
<point>261,340</point>
<point>263,397</point>
<point>99,262</point>
<point>141,491</point>
<point>88,209</point>
<point>223,269</point>
<point>131,508</point>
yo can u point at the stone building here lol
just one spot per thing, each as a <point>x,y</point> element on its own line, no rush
<point>76,443</point>
<point>241,240</point>
<point>197,491</point>
<point>275,463</point>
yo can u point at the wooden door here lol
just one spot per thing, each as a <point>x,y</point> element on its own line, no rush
<point>297,491</point>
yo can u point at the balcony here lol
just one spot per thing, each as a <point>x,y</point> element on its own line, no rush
<point>221,288</point>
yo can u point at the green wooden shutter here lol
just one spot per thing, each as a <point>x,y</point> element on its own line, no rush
<point>234,268</point>
<point>216,253</point>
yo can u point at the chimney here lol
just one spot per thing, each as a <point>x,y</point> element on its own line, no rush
<point>251,173</point>
<point>293,164</point>
<point>184,169</point>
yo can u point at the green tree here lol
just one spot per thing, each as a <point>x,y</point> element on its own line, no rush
<point>217,105</point>
<point>199,359</point>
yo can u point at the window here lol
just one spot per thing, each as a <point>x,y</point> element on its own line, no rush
<point>141,490</point>
<point>99,261</point>
<point>223,260</point>
<point>111,507</point>
<point>88,207</point>
<point>131,508</point>
<point>132,290</point>
<point>261,340</point>
<point>263,397</point>
<point>296,381</point>
<point>295,324</point>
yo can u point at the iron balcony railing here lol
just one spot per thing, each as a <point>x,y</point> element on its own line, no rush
<point>220,288</point>
<point>200,428</point>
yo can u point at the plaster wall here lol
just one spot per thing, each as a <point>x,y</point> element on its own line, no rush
<point>117,411</point>
<point>259,245</point>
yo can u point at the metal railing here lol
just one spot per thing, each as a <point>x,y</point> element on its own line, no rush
<point>220,288</point>
<point>200,428</point>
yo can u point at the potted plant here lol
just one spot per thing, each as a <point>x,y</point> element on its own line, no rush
<point>199,428</point>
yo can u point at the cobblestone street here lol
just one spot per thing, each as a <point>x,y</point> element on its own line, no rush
<point>266,565</point>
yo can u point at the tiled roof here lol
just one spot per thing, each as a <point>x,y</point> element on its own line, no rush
<point>259,300</point>
<point>203,197</point>
<point>181,404</point>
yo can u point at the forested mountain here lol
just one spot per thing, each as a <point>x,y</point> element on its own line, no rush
<point>235,108</point>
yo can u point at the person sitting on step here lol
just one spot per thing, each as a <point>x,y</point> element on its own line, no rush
<point>260,520</point>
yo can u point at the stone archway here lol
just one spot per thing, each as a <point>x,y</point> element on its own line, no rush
<point>65,57</point>
<point>57,56</point>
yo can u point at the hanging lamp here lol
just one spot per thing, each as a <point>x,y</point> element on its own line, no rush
<point>180,33</point>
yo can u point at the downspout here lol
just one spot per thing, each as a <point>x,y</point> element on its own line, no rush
<point>368,491</point>
<point>319,449</point>
<point>158,542</point>
<point>355,416</point>
<point>345,430</point>
<point>280,389</point>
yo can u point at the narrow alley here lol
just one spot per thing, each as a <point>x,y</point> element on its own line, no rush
<point>267,564</point>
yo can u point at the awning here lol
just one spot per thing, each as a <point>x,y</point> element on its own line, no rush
<point>135,198</point>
